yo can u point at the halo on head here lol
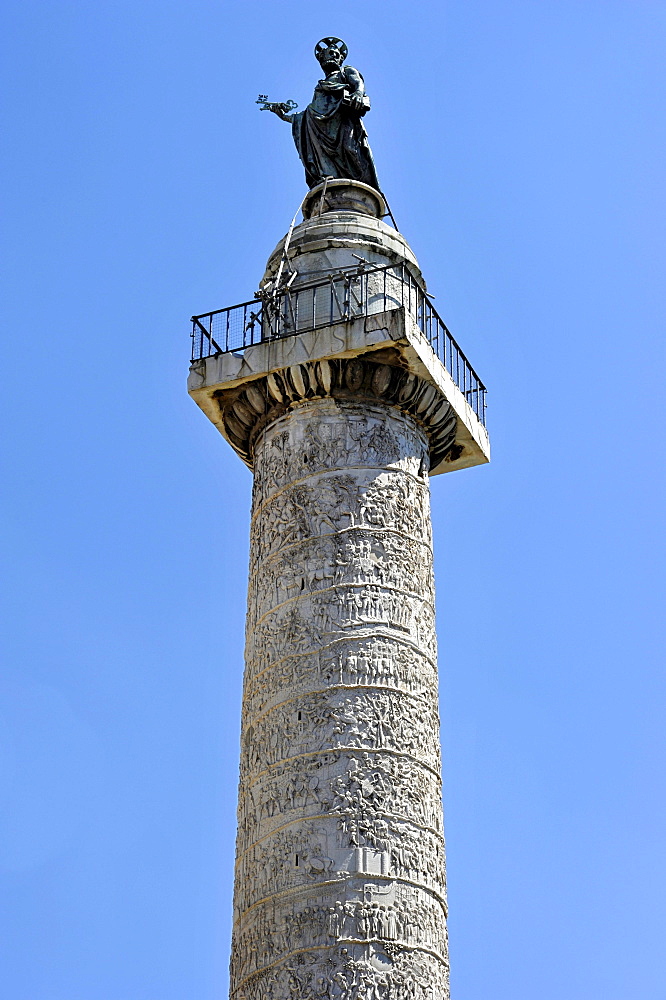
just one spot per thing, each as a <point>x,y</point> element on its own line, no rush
<point>326,43</point>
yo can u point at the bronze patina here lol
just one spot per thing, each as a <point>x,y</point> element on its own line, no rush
<point>329,135</point>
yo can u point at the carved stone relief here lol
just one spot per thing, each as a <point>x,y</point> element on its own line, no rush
<point>366,915</point>
<point>362,608</point>
<point>352,788</point>
<point>373,661</point>
<point>355,557</point>
<point>364,718</point>
<point>331,502</point>
<point>340,874</point>
<point>261,402</point>
<point>353,972</point>
<point>303,853</point>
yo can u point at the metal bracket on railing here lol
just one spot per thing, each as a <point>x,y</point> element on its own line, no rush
<point>289,322</point>
<point>255,317</point>
<point>207,334</point>
<point>358,298</point>
<point>320,207</point>
<point>333,278</point>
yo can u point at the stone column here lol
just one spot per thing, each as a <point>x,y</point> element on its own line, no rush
<point>340,872</point>
<point>343,410</point>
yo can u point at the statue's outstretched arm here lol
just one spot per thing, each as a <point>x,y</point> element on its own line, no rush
<point>279,108</point>
<point>280,112</point>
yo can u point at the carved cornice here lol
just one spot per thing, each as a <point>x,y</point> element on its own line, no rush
<point>358,379</point>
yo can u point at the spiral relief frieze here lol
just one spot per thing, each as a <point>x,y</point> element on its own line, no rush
<point>340,872</point>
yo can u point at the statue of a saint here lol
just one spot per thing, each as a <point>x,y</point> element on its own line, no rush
<point>329,135</point>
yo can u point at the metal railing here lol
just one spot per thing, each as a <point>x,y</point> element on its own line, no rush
<point>340,298</point>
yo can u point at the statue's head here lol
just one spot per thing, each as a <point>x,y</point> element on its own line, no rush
<point>330,51</point>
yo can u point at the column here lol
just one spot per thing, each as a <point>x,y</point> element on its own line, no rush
<point>340,871</point>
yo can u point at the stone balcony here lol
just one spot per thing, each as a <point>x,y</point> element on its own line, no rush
<point>252,361</point>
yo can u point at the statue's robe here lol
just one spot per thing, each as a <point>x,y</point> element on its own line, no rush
<point>330,137</point>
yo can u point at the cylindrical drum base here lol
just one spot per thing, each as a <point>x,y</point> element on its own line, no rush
<point>340,877</point>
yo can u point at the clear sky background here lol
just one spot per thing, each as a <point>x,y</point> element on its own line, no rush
<point>521,144</point>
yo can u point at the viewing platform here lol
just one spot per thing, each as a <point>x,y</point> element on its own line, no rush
<point>355,311</point>
<point>340,298</point>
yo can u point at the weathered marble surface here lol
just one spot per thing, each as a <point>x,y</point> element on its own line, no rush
<point>247,411</point>
<point>340,874</point>
<point>383,356</point>
<point>326,243</point>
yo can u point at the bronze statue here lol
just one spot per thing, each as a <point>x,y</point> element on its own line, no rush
<point>329,135</point>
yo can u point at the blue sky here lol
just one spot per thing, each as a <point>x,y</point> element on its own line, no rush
<point>521,145</point>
